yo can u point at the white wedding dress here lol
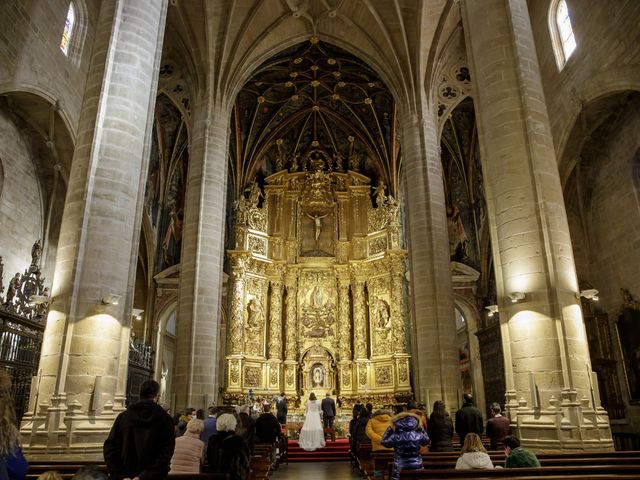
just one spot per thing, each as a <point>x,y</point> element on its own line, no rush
<point>312,433</point>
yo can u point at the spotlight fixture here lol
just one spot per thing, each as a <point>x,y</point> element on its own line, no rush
<point>111,299</point>
<point>516,296</point>
<point>136,313</point>
<point>590,294</point>
<point>493,309</point>
<point>39,299</point>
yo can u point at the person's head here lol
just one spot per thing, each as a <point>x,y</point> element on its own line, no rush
<point>412,405</point>
<point>8,430</point>
<point>364,413</point>
<point>246,409</point>
<point>213,411</point>
<point>467,398</point>
<point>50,475</point>
<point>282,395</point>
<point>266,408</point>
<point>195,425</point>
<point>472,443</point>
<point>510,443</point>
<point>356,409</point>
<point>312,396</point>
<point>149,390</point>
<point>90,472</point>
<point>495,408</point>
<point>200,414</point>
<point>328,394</point>
<point>439,408</point>
<point>369,408</point>
<point>226,423</point>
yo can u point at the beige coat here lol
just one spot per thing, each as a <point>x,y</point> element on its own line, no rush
<point>380,421</point>
<point>188,455</point>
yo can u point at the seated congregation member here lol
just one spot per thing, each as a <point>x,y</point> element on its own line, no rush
<point>474,455</point>
<point>378,424</point>
<point>11,458</point>
<point>142,439</point>
<point>189,452</point>
<point>498,427</point>
<point>518,457</point>
<point>352,426</point>
<point>228,452</point>
<point>48,475</point>
<point>440,428</point>
<point>405,436</point>
<point>267,426</point>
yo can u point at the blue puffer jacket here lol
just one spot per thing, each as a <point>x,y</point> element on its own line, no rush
<point>405,436</point>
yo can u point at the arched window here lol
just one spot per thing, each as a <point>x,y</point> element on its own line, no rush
<point>564,42</point>
<point>67,34</point>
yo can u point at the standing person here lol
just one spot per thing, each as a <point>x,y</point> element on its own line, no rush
<point>468,418</point>
<point>312,434</point>
<point>142,439</point>
<point>13,465</point>
<point>227,452</point>
<point>357,408</point>
<point>498,427</point>
<point>329,414</point>
<point>209,426</point>
<point>282,408</point>
<point>267,426</point>
<point>246,426</point>
<point>518,457</point>
<point>360,430</point>
<point>189,452</point>
<point>405,436</point>
<point>474,456</point>
<point>412,407</point>
<point>440,428</point>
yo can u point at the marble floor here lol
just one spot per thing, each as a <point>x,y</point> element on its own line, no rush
<point>316,471</point>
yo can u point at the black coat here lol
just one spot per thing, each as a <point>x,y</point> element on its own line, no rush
<point>440,432</point>
<point>267,428</point>
<point>140,443</point>
<point>468,419</point>
<point>229,453</point>
<point>328,406</point>
<point>282,409</point>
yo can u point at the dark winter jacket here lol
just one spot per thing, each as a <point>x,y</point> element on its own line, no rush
<point>521,458</point>
<point>405,436</point>
<point>440,432</point>
<point>267,428</point>
<point>468,419</point>
<point>140,443</point>
<point>229,453</point>
<point>282,410</point>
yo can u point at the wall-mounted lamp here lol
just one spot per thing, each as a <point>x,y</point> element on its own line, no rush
<point>136,313</point>
<point>516,296</point>
<point>493,309</point>
<point>111,299</point>
<point>590,294</point>
<point>39,299</point>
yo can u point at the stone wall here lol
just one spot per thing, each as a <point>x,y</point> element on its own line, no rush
<point>21,214</point>
<point>30,55</point>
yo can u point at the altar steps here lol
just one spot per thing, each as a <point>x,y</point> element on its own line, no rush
<point>337,451</point>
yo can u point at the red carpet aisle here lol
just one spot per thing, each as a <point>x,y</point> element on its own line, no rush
<point>337,451</point>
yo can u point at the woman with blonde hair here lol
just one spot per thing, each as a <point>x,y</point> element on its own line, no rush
<point>474,455</point>
<point>13,465</point>
<point>189,452</point>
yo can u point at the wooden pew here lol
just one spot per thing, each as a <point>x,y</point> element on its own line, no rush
<point>579,471</point>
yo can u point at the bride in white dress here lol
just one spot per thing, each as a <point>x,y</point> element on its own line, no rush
<point>312,433</point>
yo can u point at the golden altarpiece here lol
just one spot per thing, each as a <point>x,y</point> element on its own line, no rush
<point>317,292</point>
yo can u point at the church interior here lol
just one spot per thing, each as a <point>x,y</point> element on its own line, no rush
<point>384,201</point>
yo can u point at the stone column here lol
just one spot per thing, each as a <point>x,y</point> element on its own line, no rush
<point>85,344</point>
<point>291,340</point>
<point>545,345</point>
<point>196,379</point>
<point>435,369</point>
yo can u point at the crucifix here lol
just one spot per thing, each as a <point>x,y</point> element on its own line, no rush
<point>317,219</point>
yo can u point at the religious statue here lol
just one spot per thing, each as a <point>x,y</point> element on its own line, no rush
<point>36,253</point>
<point>354,162</point>
<point>255,313</point>
<point>295,162</point>
<point>381,313</point>
<point>316,298</point>
<point>378,192</point>
<point>12,289</point>
<point>255,194</point>
<point>317,220</point>
<point>318,376</point>
<point>242,210</point>
<point>338,161</point>
<point>458,239</point>
<point>393,206</point>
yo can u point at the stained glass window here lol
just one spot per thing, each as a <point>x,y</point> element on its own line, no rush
<point>563,22</point>
<point>68,29</point>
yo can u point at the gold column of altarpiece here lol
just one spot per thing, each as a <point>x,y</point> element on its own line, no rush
<point>317,291</point>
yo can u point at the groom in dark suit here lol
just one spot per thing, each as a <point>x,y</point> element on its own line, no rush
<point>329,414</point>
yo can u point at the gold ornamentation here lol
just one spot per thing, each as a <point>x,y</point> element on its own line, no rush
<point>257,245</point>
<point>273,376</point>
<point>362,376</point>
<point>377,245</point>
<point>234,374</point>
<point>252,376</point>
<point>346,379</point>
<point>383,375</point>
<point>403,373</point>
<point>290,377</point>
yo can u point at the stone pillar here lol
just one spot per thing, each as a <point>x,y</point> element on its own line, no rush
<point>85,347</point>
<point>196,379</point>
<point>436,371</point>
<point>291,334</point>
<point>546,354</point>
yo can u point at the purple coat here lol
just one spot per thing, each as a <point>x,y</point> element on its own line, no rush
<point>405,436</point>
